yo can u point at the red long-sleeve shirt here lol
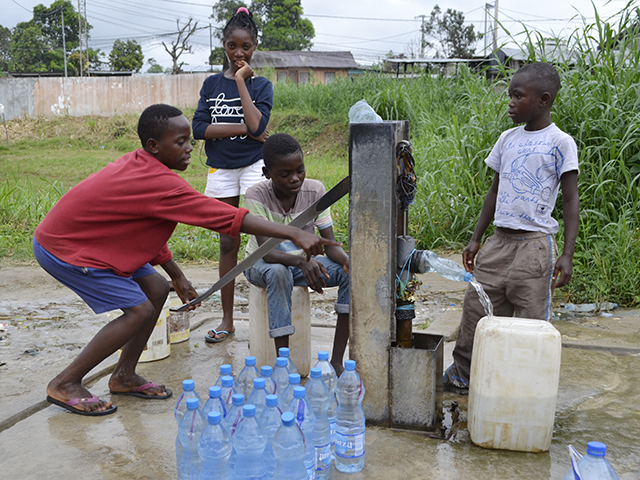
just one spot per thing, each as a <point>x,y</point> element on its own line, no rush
<point>122,216</point>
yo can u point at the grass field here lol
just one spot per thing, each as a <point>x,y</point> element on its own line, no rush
<point>454,122</point>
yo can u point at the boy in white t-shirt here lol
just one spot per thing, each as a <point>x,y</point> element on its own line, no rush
<point>518,265</point>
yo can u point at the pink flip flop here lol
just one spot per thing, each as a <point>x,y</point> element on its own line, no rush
<point>138,392</point>
<point>75,401</point>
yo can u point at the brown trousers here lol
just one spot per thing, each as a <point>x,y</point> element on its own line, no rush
<point>515,271</point>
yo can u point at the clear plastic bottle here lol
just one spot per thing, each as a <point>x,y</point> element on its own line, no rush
<point>288,447</point>
<point>249,442</point>
<point>306,419</point>
<point>424,261</point>
<point>246,376</point>
<point>330,379</point>
<point>214,403</point>
<point>361,112</point>
<point>188,391</point>
<point>214,448</point>
<point>589,307</point>
<point>285,352</point>
<point>266,372</point>
<point>286,396</point>
<point>258,396</point>
<point>281,375</point>
<point>270,421</point>
<point>189,431</point>
<point>593,466</point>
<point>318,395</point>
<point>350,423</point>
<point>227,391</point>
<point>232,420</point>
<point>225,369</point>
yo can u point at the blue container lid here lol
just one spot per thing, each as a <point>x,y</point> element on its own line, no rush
<point>349,364</point>
<point>283,351</point>
<point>266,370</point>
<point>249,410</point>
<point>188,385</point>
<point>281,362</point>
<point>597,449</point>
<point>272,400</point>
<point>323,355</point>
<point>258,382</point>
<point>214,418</point>
<point>237,399</point>
<point>294,378</point>
<point>227,381</point>
<point>215,392</point>
<point>225,369</point>
<point>288,419</point>
<point>193,403</point>
<point>250,360</point>
<point>299,392</point>
<point>315,372</point>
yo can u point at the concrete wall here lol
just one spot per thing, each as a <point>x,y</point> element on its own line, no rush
<point>104,96</point>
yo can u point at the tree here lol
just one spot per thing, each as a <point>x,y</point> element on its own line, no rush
<point>154,67</point>
<point>94,61</point>
<point>279,22</point>
<point>126,56</point>
<point>180,45</point>
<point>28,49</point>
<point>454,39</point>
<point>5,48</point>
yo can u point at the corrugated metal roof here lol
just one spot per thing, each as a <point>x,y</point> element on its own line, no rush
<point>302,59</point>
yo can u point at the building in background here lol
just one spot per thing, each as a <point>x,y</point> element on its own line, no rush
<point>306,66</point>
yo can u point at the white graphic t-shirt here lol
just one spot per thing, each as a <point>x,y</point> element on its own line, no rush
<point>530,165</point>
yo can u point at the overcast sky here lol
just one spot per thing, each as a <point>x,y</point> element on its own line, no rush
<point>367,28</point>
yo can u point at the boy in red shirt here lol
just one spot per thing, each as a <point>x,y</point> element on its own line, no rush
<point>104,234</point>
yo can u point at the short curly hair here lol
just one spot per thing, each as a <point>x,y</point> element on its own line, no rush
<point>154,121</point>
<point>544,76</point>
<point>278,146</point>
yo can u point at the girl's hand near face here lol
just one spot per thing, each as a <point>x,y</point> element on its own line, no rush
<point>244,71</point>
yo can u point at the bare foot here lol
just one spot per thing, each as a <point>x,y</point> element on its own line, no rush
<point>338,367</point>
<point>122,384</point>
<point>67,392</point>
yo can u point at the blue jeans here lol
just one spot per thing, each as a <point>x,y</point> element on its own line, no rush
<point>279,281</point>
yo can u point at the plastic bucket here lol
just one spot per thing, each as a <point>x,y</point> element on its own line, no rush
<point>179,322</point>
<point>515,370</point>
<point>157,346</point>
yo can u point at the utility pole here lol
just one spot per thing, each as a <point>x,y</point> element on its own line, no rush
<point>210,50</point>
<point>495,29</point>
<point>82,32</point>
<point>423,32</point>
<point>487,6</point>
<point>64,45</point>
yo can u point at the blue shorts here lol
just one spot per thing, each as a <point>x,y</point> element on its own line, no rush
<point>101,289</point>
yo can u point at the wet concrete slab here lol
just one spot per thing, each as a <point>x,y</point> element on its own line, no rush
<point>599,399</point>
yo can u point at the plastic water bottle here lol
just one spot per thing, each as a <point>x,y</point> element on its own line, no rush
<point>249,441</point>
<point>589,307</point>
<point>225,369</point>
<point>258,396</point>
<point>319,397</point>
<point>424,261</point>
<point>214,449</point>
<point>281,375</point>
<point>248,373</point>
<point>285,352</point>
<point>188,391</point>
<point>232,420</point>
<point>215,403</point>
<point>350,427</point>
<point>266,372</point>
<point>330,379</point>
<point>227,391</point>
<point>189,431</point>
<point>306,419</point>
<point>593,466</point>
<point>288,447</point>
<point>361,112</point>
<point>270,421</point>
<point>286,396</point>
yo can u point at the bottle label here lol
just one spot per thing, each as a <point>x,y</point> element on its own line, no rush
<point>323,457</point>
<point>333,430</point>
<point>349,446</point>
<point>311,472</point>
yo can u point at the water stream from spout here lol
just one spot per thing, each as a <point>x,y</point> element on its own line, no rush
<point>482,296</point>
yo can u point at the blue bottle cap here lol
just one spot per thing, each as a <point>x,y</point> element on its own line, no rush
<point>266,370</point>
<point>225,369</point>
<point>227,381</point>
<point>250,361</point>
<point>315,372</point>
<point>288,419</point>
<point>215,392</point>
<point>294,378</point>
<point>249,410</point>
<point>281,362</point>
<point>214,418</point>
<point>188,385</point>
<point>597,449</point>
<point>272,400</point>
<point>468,277</point>
<point>283,351</point>
<point>349,364</point>
<point>258,382</point>
<point>299,392</point>
<point>323,355</point>
<point>193,403</point>
<point>237,399</point>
